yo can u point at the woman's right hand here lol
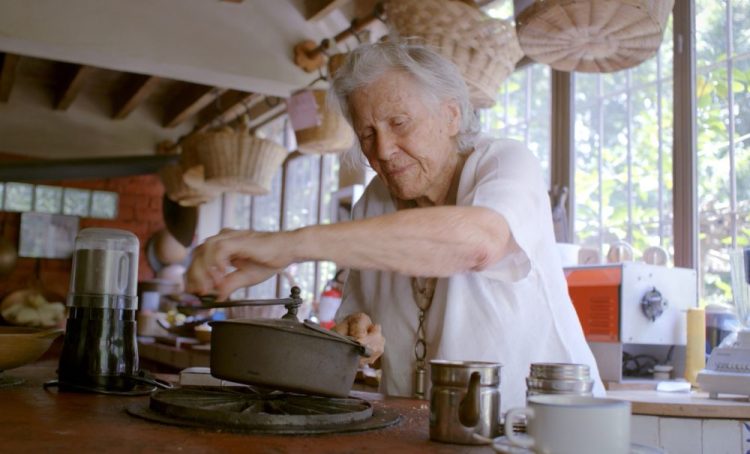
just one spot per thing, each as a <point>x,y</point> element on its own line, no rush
<point>360,327</point>
<point>256,256</point>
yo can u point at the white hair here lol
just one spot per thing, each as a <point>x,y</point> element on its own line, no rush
<point>440,79</point>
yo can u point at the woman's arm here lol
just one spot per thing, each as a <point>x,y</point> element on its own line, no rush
<point>435,241</point>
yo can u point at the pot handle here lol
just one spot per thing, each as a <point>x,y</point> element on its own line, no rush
<point>363,350</point>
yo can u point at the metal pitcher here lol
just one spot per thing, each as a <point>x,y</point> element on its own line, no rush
<point>464,400</point>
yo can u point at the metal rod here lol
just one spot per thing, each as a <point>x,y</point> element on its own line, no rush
<point>356,26</point>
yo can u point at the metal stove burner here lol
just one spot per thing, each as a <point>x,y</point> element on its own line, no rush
<point>252,411</point>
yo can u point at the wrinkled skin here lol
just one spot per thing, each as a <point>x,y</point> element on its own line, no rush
<point>409,140</point>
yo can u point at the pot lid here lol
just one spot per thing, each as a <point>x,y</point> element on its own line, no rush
<point>308,328</point>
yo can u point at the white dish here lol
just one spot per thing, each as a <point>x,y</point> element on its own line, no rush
<point>502,445</point>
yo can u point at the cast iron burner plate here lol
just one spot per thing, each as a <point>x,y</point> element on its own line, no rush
<point>249,410</point>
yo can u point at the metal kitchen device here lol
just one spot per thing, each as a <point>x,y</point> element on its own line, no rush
<point>268,359</point>
<point>632,310</point>
<point>248,409</point>
<point>100,353</point>
<point>728,368</point>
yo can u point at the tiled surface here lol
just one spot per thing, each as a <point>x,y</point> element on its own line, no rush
<point>692,435</point>
<point>681,435</point>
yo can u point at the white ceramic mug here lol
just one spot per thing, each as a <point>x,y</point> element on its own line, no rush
<point>570,424</point>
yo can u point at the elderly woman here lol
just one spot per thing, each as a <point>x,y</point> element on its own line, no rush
<point>451,248</point>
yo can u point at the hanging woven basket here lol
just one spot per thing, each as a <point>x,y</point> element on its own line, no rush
<point>484,49</point>
<point>233,160</point>
<point>595,36</point>
<point>172,177</point>
<point>332,135</point>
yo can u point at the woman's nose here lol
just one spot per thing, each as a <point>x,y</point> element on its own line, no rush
<point>385,146</point>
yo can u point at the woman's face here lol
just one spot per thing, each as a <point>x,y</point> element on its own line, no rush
<point>407,139</point>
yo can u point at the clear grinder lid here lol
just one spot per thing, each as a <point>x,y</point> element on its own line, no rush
<point>105,269</point>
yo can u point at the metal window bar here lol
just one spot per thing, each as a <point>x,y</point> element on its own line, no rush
<point>629,154</point>
<point>527,107</point>
<point>660,147</point>
<point>600,149</point>
<point>730,126</point>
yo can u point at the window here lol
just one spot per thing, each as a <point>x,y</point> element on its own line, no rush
<point>623,155</point>
<point>723,134</point>
<point>522,110</point>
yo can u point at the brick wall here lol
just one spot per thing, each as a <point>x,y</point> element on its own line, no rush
<point>139,212</point>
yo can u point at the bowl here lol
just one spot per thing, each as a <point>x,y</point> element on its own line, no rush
<point>19,345</point>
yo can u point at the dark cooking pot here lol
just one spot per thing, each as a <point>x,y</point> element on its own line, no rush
<point>286,355</point>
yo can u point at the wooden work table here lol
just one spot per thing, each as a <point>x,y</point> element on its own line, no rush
<point>694,404</point>
<point>35,420</point>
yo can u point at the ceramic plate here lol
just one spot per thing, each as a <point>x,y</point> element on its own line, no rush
<point>502,445</point>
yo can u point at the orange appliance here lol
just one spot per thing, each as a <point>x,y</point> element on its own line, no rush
<point>631,306</point>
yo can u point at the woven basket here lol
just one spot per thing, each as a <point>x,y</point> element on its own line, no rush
<point>233,160</point>
<point>485,49</point>
<point>332,135</point>
<point>595,36</point>
<point>172,175</point>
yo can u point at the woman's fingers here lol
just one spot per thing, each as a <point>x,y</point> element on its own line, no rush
<point>359,325</point>
<point>375,342</point>
<point>242,278</point>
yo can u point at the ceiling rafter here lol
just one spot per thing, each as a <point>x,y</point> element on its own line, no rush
<point>7,75</point>
<point>193,99</point>
<point>137,90</point>
<point>76,79</point>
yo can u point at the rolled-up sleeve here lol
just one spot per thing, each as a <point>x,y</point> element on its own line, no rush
<point>508,180</point>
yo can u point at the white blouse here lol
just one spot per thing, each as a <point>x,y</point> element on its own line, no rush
<point>516,312</point>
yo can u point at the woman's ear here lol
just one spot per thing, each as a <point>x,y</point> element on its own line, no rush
<point>453,117</point>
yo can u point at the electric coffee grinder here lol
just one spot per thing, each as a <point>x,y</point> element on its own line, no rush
<point>100,353</point>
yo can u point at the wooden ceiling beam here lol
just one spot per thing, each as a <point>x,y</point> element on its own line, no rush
<point>188,103</point>
<point>7,75</point>
<point>230,105</point>
<point>263,112</point>
<point>318,9</point>
<point>138,89</point>
<point>76,78</point>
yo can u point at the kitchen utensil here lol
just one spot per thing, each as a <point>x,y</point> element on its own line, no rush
<point>19,346</point>
<point>559,378</point>
<point>567,424</point>
<point>291,304</point>
<point>100,351</point>
<point>464,400</point>
<point>284,354</point>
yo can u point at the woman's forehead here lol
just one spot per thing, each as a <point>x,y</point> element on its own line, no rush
<point>394,89</point>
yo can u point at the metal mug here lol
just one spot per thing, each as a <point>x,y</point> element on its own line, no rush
<point>464,400</point>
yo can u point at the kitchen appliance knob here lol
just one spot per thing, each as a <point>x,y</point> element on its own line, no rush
<point>653,304</point>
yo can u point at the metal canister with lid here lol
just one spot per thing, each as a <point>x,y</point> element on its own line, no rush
<point>559,378</point>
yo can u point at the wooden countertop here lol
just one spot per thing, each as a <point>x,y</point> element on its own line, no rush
<point>695,404</point>
<point>35,420</point>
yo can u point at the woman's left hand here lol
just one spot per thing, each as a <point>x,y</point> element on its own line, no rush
<point>256,256</point>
